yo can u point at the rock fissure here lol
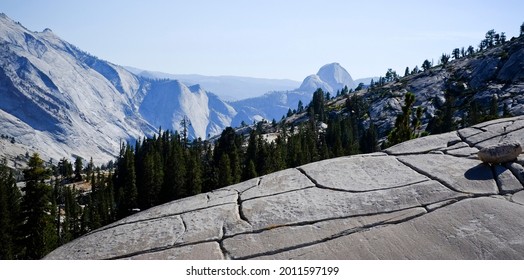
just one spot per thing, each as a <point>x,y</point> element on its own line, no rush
<point>465,138</point>
<point>313,222</point>
<point>240,211</point>
<point>184,230</point>
<point>315,182</point>
<point>160,249</point>
<point>455,155</point>
<point>155,218</point>
<point>320,186</point>
<point>445,203</point>
<point>430,176</point>
<point>259,181</point>
<point>503,136</point>
<point>344,233</point>
<point>279,193</point>
<point>497,180</point>
<point>223,250</point>
<point>152,250</point>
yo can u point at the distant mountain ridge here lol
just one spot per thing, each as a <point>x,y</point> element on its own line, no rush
<point>229,88</point>
<point>64,102</point>
<point>273,105</point>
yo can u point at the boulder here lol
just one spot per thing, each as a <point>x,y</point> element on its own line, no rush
<point>500,153</point>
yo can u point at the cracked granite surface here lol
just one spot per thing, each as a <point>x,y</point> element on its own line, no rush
<point>429,198</point>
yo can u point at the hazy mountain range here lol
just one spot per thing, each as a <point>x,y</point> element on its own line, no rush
<point>62,101</point>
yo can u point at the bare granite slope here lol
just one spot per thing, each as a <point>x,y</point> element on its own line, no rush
<point>429,198</point>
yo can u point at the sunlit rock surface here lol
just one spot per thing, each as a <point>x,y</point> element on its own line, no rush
<point>429,198</point>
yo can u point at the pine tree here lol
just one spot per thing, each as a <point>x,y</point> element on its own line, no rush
<point>38,232</point>
<point>276,157</point>
<point>403,131</point>
<point>65,168</point>
<point>185,123</point>
<point>426,65</point>
<point>78,169</point>
<point>473,114</point>
<point>72,211</point>
<point>443,120</point>
<point>456,53</point>
<point>125,182</point>
<point>470,51</point>
<point>345,90</point>
<point>90,168</point>
<point>490,38</point>
<point>444,59</point>
<point>152,176</point>
<point>300,107</point>
<point>174,173</point>
<point>209,172</point>
<point>369,141</point>
<point>250,171</point>
<point>10,198</point>
<point>224,171</point>
<point>333,137</point>
<point>262,156</point>
<point>316,106</point>
<point>194,172</point>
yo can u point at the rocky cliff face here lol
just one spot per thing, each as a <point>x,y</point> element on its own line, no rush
<point>429,198</point>
<point>494,73</point>
<point>63,102</point>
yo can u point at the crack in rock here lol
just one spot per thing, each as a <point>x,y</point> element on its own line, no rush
<point>320,186</point>
<point>429,176</point>
<point>497,180</point>
<point>240,211</point>
<point>223,250</point>
<point>183,232</point>
<point>160,249</point>
<point>279,193</point>
<point>365,227</point>
<point>111,226</point>
<point>464,138</point>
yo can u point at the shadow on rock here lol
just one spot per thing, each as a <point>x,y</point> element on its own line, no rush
<point>480,172</point>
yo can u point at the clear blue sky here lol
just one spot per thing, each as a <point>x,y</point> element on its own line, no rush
<point>269,38</point>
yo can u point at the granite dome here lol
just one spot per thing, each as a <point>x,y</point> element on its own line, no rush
<point>429,198</point>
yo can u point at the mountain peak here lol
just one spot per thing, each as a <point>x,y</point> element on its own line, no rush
<point>335,75</point>
<point>330,77</point>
